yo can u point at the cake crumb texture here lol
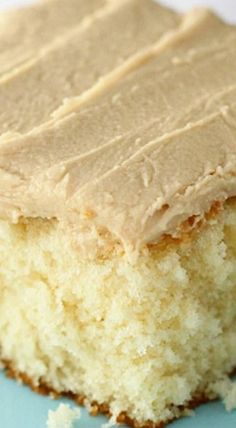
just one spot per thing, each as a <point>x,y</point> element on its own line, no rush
<point>143,338</point>
<point>225,388</point>
<point>63,417</point>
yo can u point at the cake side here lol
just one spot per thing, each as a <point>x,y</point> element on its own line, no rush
<point>119,333</point>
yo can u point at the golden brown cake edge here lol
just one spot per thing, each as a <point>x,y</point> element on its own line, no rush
<point>96,409</point>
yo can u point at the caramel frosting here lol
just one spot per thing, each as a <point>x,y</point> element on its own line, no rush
<point>25,32</point>
<point>140,154</point>
<point>73,65</point>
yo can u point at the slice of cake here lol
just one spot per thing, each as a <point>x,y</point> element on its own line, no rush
<point>84,56</point>
<point>118,234</point>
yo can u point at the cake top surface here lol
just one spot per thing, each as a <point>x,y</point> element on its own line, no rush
<point>148,143</point>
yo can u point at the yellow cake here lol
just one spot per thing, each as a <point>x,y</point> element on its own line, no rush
<point>118,214</point>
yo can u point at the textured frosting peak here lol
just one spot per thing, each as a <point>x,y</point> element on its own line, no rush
<point>26,31</point>
<point>73,64</point>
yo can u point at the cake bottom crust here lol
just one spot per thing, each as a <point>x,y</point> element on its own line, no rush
<point>96,408</point>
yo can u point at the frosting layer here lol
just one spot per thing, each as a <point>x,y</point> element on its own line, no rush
<point>139,157</point>
<point>26,31</point>
<point>74,64</point>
